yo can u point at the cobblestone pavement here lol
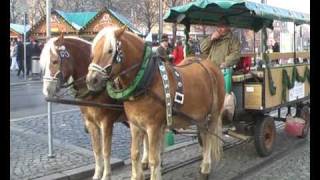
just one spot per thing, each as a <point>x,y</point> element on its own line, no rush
<point>72,146</point>
<point>28,156</point>
<point>238,160</point>
<point>295,165</point>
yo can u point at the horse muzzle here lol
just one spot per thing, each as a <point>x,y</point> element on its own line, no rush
<point>50,86</point>
<point>95,81</point>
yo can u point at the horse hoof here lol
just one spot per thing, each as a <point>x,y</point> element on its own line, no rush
<point>204,176</point>
<point>145,166</point>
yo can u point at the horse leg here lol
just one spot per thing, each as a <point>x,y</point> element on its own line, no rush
<point>95,135</point>
<point>145,156</point>
<point>136,138</point>
<point>205,166</point>
<point>155,137</point>
<point>107,127</point>
<point>212,146</point>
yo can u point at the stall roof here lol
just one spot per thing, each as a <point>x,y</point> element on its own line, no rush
<point>19,28</point>
<point>116,15</point>
<point>77,19</point>
<point>240,13</point>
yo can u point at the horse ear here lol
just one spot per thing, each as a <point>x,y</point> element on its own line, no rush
<point>120,31</point>
<point>60,39</point>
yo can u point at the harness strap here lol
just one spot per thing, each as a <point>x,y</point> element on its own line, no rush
<point>179,95</point>
<point>166,87</point>
<point>186,117</point>
<point>95,67</point>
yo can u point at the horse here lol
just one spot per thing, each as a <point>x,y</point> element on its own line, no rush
<point>63,59</point>
<point>120,54</point>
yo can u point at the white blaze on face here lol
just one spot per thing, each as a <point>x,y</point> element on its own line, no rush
<point>110,40</point>
<point>45,57</point>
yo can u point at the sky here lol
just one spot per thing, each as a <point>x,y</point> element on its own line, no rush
<point>295,5</point>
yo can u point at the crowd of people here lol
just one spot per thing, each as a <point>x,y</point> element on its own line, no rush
<point>33,50</point>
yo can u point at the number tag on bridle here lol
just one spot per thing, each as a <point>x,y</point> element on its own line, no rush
<point>63,52</point>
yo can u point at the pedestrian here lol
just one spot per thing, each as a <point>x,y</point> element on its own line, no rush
<point>222,47</point>
<point>28,56</point>
<point>20,56</point>
<point>13,54</point>
<point>178,53</point>
<point>163,50</point>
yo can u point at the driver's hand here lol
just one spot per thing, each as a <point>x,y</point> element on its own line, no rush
<point>215,35</point>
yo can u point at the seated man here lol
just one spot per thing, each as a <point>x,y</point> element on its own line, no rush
<point>223,49</point>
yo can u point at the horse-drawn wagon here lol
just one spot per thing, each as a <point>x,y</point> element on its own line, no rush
<point>262,89</point>
<point>155,95</point>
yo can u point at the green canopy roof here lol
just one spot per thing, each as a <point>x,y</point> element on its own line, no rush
<point>77,19</point>
<point>19,28</point>
<point>240,13</point>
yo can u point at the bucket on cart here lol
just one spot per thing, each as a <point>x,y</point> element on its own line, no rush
<point>227,73</point>
<point>294,126</point>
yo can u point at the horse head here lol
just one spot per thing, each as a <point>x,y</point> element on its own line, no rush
<point>57,65</point>
<point>114,53</point>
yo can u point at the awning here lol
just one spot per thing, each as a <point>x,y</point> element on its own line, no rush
<point>239,13</point>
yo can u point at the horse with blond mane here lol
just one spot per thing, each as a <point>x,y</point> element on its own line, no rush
<point>122,55</point>
<point>64,58</point>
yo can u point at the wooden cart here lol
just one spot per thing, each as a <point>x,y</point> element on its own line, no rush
<point>263,90</point>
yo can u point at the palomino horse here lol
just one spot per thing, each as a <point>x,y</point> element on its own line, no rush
<point>65,57</point>
<point>119,54</point>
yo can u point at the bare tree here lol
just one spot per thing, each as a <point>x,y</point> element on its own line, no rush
<point>148,13</point>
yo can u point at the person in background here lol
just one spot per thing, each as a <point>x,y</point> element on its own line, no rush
<point>20,56</point>
<point>13,54</point>
<point>178,53</point>
<point>163,50</point>
<point>28,56</point>
<point>276,48</point>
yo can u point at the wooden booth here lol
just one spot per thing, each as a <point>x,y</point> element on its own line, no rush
<point>83,24</point>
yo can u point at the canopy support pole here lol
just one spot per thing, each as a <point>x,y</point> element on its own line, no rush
<point>254,48</point>
<point>294,44</point>
<point>186,45</point>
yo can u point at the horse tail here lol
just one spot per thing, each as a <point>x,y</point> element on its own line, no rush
<point>216,135</point>
<point>218,95</point>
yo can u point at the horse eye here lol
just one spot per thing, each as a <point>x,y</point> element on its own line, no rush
<point>55,62</point>
<point>110,51</point>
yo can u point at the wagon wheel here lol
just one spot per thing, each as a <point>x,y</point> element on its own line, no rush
<point>264,136</point>
<point>305,115</point>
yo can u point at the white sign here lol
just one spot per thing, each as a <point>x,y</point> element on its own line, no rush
<point>297,91</point>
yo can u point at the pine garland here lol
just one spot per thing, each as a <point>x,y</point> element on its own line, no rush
<point>287,83</point>
<point>186,33</point>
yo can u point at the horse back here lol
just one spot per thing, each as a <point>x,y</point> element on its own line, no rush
<point>201,79</point>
